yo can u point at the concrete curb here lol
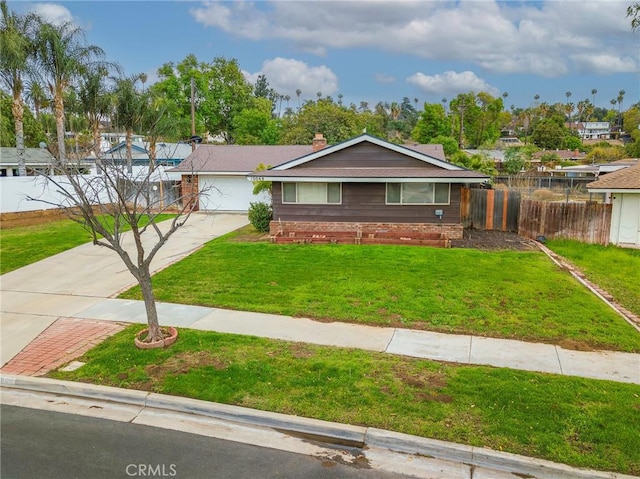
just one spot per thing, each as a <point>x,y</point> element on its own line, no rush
<point>314,429</point>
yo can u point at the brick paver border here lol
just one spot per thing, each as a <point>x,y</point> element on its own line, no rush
<point>64,340</point>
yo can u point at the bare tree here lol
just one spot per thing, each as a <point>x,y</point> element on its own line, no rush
<point>114,203</point>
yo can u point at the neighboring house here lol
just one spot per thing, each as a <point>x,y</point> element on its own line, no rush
<point>623,188</point>
<point>167,154</point>
<point>368,189</point>
<point>594,130</point>
<point>565,155</point>
<point>37,160</point>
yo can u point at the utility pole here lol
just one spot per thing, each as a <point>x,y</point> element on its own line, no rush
<point>193,114</point>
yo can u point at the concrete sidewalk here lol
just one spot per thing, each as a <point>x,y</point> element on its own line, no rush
<point>464,349</point>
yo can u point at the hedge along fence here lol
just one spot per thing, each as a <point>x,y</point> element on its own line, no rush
<point>587,222</point>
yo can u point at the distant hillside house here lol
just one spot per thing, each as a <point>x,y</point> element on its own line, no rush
<point>594,130</point>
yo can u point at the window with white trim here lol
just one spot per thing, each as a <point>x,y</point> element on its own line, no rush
<point>418,193</point>
<point>312,193</point>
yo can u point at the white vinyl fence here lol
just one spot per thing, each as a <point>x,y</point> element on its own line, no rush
<point>15,191</point>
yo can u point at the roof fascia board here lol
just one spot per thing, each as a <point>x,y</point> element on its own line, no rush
<point>371,139</point>
<point>291,179</point>
<point>613,190</point>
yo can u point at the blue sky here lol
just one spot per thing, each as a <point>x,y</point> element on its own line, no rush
<point>375,50</point>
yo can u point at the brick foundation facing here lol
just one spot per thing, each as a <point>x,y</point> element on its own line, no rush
<point>343,232</point>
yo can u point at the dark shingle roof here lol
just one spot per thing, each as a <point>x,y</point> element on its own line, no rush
<point>239,158</point>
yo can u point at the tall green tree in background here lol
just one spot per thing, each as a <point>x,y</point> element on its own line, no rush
<point>221,92</point>
<point>63,56</point>
<point>432,122</point>
<point>255,125</point>
<point>17,50</point>
<point>33,129</point>
<point>324,116</point>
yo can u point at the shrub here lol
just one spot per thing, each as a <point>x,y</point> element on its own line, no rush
<point>260,215</point>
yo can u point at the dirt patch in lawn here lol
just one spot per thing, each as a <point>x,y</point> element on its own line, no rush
<point>493,240</point>
<point>183,362</point>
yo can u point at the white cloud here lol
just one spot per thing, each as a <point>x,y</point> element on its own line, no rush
<point>53,13</point>
<point>542,38</point>
<point>286,75</point>
<point>451,83</point>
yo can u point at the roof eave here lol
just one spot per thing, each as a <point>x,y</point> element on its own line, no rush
<point>385,179</point>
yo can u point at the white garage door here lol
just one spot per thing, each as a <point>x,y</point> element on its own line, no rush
<point>230,193</point>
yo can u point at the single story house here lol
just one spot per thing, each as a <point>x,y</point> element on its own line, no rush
<point>167,154</point>
<point>623,187</point>
<point>37,160</point>
<point>369,190</point>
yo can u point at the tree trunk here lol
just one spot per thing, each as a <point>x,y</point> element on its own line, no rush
<point>59,108</point>
<point>129,141</point>
<point>150,306</point>
<point>17,108</point>
<point>97,144</point>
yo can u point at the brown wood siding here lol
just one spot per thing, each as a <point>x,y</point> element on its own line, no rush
<point>365,202</point>
<point>366,155</point>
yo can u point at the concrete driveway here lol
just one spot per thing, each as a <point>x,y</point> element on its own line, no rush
<point>33,297</point>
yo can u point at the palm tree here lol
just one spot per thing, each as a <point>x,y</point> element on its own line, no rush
<point>620,99</point>
<point>593,94</point>
<point>298,93</point>
<point>62,57</point>
<point>17,33</point>
<point>567,94</point>
<point>536,98</point>
<point>37,95</point>
<point>95,103</point>
<point>129,110</point>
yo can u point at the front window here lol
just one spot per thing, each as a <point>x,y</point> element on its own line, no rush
<point>312,193</point>
<point>418,193</point>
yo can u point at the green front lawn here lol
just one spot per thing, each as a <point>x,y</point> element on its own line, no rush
<point>615,269</point>
<point>580,422</point>
<point>507,294</point>
<point>28,244</point>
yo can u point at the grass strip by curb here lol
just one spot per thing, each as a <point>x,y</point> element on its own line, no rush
<point>579,422</point>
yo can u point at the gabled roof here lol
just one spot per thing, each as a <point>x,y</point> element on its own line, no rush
<point>32,156</point>
<point>624,180</point>
<point>411,152</point>
<point>435,168</point>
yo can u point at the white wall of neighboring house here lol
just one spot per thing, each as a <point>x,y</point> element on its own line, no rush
<point>625,219</point>
<point>228,193</point>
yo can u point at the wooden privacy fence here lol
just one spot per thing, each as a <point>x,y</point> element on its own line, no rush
<point>587,222</point>
<point>490,209</point>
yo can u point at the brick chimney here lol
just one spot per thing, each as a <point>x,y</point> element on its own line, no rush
<point>319,142</point>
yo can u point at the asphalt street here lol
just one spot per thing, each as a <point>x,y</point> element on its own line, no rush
<point>37,444</point>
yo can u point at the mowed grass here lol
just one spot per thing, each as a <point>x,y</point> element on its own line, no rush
<point>615,269</point>
<point>506,294</point>
<point>580,422</point>
<point>28,244</point>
